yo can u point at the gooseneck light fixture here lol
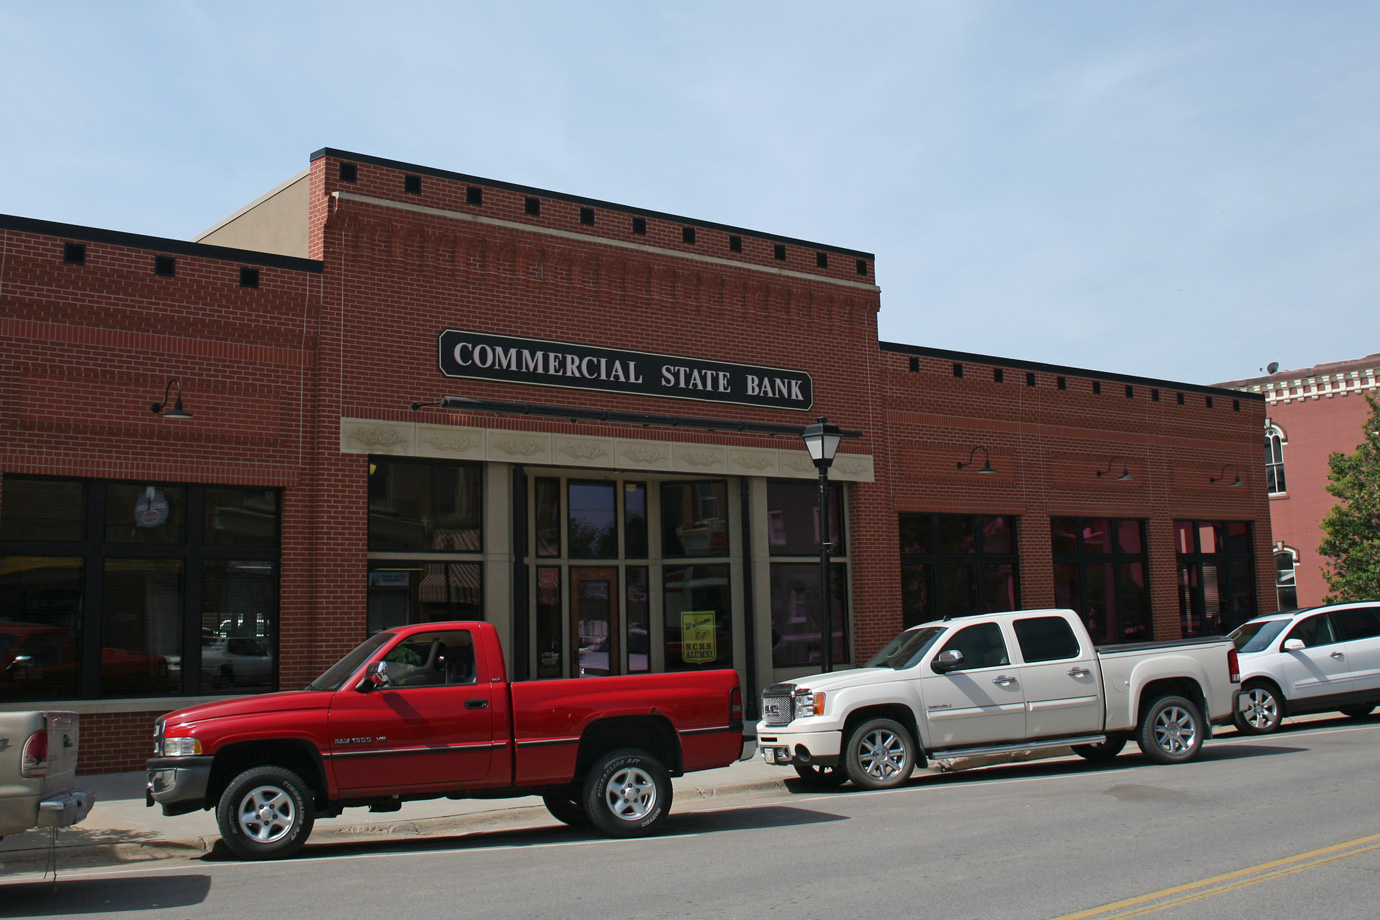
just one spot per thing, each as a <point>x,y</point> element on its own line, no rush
<point>1236,476</point>
<point>822,441</point>
<point>176,411</point>
<point>1125,472</point>
<point>986,460</point>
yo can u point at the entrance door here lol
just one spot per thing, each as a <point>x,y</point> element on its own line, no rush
<point>594,620</point>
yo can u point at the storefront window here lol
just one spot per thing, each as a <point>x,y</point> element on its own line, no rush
<point>1099,571</point>
<point>957,564</point>
<point>424,506</point>
<point>549,632</point>
<point>698,625</point>
<point>593,521</point>
<point>548,517</point>
<point>635,520</point>
<point>793,518</point>
<point>694,518</point>
<point>1216,576</point>
<point>117,612</point>
<point>404,592</point>
<point>796,630</point>
<point>638,607</point>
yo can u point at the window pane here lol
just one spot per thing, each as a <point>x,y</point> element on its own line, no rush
<point>915,534</point>
<point>141,627</point>
<point>1183,537</point>
<point>424,506</point>
<point>145,515</point>
<point>1099,607</point>
<point>956,534</point>
<point>796,631</point>
<point>1361,623</point>
<point>635,520</point>
<point>241,517</point>
<point>1097,537</point>
<point>982,646</point>
<point>548,515</point>
<point>1066,591</point>
<point>1046,639</point>
<point>593,607</point>
<point>549,633</point>
<point>996,534</point>
<point>239,626</point>
<point>41,602</point>
<point>1243,605</point>
<point>1134,613</point>
<point>423,592</point>
<point>593,521</point>
<point>1209,538</point>
<point>998,588</point>
<point>698,617</point>
<point>638,617</point>
<point>1130,536</point>
<point>1238,537</point>
<point>41,509</point>
<point>694,518</point>
<point>917,595</point>
<point>793,512</point>
<point>1064,535</point>
<point>957,590</point>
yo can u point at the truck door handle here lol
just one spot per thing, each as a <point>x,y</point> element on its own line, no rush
<point>1004,680</point>
<point>1079,672</point>
<point>476,704</point>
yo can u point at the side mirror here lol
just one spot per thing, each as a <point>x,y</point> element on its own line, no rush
<point>376,675</point>
<point>1294,645</point>
<point>20,664</point>
<point>948,660</point>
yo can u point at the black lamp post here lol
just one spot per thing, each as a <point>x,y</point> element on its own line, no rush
<point>822,440</point>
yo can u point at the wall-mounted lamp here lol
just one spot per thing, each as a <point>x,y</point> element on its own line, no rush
<point>1125,473</point>
<point>1236,476</point>
<point>986,460</point>
<point>176,411</point>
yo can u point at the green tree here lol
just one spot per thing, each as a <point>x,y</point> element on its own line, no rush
<point>1352,544</point>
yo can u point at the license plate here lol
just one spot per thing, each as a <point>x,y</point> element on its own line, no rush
<point>769,755</point>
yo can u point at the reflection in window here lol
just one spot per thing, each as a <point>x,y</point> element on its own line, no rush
<point>239,623</point>
<point>141,627</point>
<point>241,517</point>
<point>638,617</point>
<point>548,517</point>
<point>424,506</point>
<point>1216,576</point>
<point>40,602</point>
<point>694,518</point>
<point>593,522</point>
<point>635,520</point>
<point>1274,461</point>
<point>549,632</point>
<point>1099,571</point>
<point>698,617</point>
<point>1286,583</point>
<point>793,518</point>
<point>43,509</point>
<point>957,564</point>
<point>422,592</point>
<point>145,515</point>
<point>796,630</point>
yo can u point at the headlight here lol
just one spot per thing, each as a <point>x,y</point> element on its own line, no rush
<point>808,704</point>
<point>181,747</point>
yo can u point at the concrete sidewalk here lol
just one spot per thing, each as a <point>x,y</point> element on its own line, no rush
<point>121,829</point>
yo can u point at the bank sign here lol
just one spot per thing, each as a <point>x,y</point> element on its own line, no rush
<point>515,360</point>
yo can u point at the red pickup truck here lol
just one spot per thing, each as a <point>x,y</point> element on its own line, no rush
<point>427,711</point>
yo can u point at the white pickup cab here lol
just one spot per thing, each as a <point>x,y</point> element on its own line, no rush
<point>38,771</point>
<point>994,684</point>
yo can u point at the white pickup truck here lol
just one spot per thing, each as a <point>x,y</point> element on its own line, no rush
<point>993,684</point>
<point>38,769</point>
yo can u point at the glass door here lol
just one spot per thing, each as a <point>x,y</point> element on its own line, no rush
<point>594,603</point>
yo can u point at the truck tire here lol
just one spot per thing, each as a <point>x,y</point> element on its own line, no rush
<point>566,808</point>
<point>266,813</point>
<point>821,777</point>
<point>1104,752</point>
<point>1261,709</point>
<point>627,793</point>
<point>1172,730</point>
<point>879,754</point>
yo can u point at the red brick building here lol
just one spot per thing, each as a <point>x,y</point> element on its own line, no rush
<point>1309,414</point>
<point>619,484</point>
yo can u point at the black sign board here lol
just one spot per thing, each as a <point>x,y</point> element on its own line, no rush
<point>515,360</point>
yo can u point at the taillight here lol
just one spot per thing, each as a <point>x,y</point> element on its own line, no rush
<point>33,762</point>
<point>735,704</point>
<point>1234,665</point>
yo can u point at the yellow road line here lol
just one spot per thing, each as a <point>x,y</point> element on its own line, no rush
<point>1230,881</point>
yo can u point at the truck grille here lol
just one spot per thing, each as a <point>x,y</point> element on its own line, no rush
<point>778,706</point>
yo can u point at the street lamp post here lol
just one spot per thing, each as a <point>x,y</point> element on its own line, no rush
<point>822,440</point>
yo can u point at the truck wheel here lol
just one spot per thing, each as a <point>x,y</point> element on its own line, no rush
<point>1261,710</point>
<point>879,754</point>
<point>565,807</point>
<point>266,813</point>
<point>1172,731</point>
<point>821,777</point>
<point>627,793</point>
<point>1105,752</point>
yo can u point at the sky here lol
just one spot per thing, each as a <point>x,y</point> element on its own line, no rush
<point>1185,191</point>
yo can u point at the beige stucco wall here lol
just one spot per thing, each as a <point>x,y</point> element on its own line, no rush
<point>276,222</point>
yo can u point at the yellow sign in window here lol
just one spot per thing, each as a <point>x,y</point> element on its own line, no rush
<point>698,638</point>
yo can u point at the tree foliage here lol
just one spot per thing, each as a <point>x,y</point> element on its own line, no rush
<point>1352,544</point>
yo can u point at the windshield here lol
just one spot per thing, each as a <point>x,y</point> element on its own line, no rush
<point>906,649</point>
<point>339,672</point>
<point>1256,637</point>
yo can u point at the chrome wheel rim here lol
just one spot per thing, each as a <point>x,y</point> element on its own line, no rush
<point>266,814</point>
<point>1261,709</point>
<point>1175,730</point>
<point>630,794</point>
<point>882,754</point>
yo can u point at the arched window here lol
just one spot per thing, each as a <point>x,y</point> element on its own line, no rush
<point>1286,590</point>
<point>1274,460</point>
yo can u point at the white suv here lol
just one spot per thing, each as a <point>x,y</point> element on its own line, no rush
<point>1322,659</point>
